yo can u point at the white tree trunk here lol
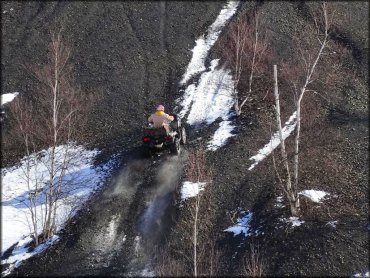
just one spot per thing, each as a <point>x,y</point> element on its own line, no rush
<point>291,194</point>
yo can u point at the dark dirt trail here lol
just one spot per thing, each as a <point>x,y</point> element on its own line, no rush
<point>120,227</point>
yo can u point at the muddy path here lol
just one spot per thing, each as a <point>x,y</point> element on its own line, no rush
<point>120,227</point>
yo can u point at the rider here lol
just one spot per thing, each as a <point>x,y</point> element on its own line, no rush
<point>159,118</point>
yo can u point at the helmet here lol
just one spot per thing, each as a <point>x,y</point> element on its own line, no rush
<point>160,107</point>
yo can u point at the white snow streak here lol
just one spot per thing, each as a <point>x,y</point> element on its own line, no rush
<point>5,98</point>
<point>191,189</point>
<point>221,135</point>
<point>315,195</point>
<point>204,44</point>
<point>212,97</point>
<point>274,142</point>
<point>187,100</point>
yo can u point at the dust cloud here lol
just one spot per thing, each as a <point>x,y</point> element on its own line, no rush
<point>167,177</point>
<point>129,179</point>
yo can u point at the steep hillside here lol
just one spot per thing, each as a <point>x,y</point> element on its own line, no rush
<point>131,54</point>
<point>134,55</point>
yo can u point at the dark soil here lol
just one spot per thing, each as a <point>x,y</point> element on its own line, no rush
<point>133,64</point>
<point>131,54</point>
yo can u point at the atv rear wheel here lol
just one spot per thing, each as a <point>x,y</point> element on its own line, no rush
<point>183,136</point>
<point>175,147</point>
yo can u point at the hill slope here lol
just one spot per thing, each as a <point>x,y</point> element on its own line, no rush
<point>133,65</point>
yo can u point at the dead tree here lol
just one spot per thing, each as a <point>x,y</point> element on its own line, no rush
<point>310,58</point>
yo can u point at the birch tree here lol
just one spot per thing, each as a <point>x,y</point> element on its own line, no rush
<point>196,172</point>
<point>52,117</point>
<point>309,58</point>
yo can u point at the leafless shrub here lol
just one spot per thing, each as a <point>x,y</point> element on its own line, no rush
<point>253,262</point>
<point>246,50</point>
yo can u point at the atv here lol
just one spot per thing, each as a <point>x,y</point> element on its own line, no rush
<point>160,139</point>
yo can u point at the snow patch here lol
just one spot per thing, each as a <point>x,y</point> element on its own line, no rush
<point>332,223</point>
<point>293,220</point>
<point>146,272</point>
<point>191,189</point>
<point>222,134</point>
<point>205,43</point>
<point>186,100</point>
<point>315,195</point>
<point>81,179</point>
<point>242,226</point>
<point>274,142</point>
<point>6,98</point>
<point>279,201</point>
<point>211,99</point>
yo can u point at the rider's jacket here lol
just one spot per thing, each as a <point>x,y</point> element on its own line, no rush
<point>160,119</point>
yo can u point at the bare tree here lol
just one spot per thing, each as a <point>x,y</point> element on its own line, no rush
<point>196,172</point>
<point>310,63</point>
<point>291,193</point>
<point>310,58</point>
<point>52,118</point>
<point>245,51</point>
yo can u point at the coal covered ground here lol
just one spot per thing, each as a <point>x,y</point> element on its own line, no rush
<point>131,55</point>
<point>311,249</point>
